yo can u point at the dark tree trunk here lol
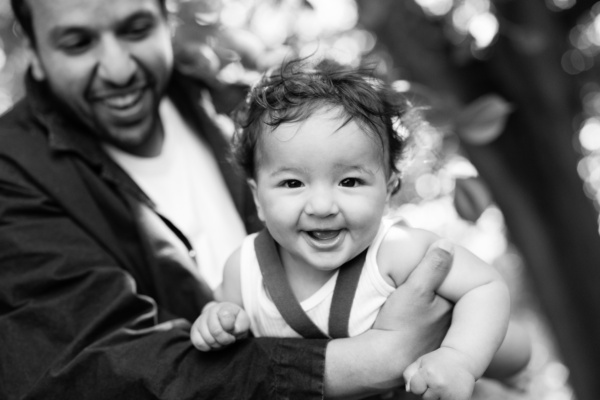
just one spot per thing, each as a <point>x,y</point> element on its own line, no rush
<point>531,168</point>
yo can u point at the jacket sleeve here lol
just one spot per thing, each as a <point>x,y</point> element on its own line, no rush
<point>73,327</point>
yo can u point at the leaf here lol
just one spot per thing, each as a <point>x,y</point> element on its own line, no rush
<point>197,59</point>
<point>482,121</point>
<point>471,198</point>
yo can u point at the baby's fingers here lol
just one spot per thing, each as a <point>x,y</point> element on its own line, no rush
<point>242,325</point>
<point>200,335</point>
<point>227,316</point>
<point>433,395</point>
<point>415,383</point>
<point>219,323</point>
<point>234,320</point>
<point>198,341</point>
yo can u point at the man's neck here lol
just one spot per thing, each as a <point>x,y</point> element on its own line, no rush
<point>151,147</point>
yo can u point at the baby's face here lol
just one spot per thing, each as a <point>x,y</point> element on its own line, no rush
<point>321,188</point>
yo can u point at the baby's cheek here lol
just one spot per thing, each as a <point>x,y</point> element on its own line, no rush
<point>366,230</point>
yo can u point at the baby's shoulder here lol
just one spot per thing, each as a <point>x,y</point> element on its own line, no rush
<point>401,250</point>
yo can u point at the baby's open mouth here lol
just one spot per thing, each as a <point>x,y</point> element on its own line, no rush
<point>323,235</point>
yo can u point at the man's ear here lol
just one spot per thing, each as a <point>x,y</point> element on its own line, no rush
<point>254,189</point>
<point>37,69</point>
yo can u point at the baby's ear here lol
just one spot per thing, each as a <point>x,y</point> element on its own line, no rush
<point>393,185</point>
<point>254,189</point>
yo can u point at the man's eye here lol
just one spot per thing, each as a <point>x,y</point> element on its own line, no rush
<point>138,29</point>
<point>292,184</point>
<point>74,44</point>
<point>350,182</point>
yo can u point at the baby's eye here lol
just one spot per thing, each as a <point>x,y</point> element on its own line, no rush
<point>350,182</point>
<point>292,183</point>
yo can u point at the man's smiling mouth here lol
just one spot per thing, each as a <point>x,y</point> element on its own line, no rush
<point>123,101</point>
<point>122,106</point>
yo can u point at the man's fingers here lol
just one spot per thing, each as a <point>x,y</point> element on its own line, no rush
<point>433,268</point>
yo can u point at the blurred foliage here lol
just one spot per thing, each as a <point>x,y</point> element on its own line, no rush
<point>236,40</point>
<point>13,58</point>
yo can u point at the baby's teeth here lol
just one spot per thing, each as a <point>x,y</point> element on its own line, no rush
<point>324,235</point>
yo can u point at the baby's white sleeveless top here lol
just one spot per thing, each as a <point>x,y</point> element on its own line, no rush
<point>371,293</point>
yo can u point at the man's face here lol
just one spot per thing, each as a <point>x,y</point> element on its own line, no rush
<point>109,62</point>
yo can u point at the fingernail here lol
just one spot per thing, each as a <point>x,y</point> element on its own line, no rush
<point>407,386</point>
<point>445,245</point>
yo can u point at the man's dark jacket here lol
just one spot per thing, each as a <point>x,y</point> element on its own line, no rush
<point>87,308</point>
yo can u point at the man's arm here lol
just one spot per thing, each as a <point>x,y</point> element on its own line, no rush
<point>72,324</point>
<point>413,321</point>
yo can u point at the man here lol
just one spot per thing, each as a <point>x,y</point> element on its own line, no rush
<point>97,282</point>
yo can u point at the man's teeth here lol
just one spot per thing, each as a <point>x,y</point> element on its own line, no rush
<point>324,235</point>
<point>122,101</point>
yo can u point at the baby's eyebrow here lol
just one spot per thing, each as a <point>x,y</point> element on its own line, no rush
<point>353,168</point>
<point>288,169</point>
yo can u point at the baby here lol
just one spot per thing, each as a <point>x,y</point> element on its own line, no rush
<point>320,145</point>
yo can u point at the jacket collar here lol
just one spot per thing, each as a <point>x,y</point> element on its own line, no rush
<point>67,134</point>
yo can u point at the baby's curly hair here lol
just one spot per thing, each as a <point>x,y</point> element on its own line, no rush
<point>295,91</point>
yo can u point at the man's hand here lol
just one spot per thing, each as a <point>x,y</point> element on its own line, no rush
<point>415,302</point>
<point>219,325</point>
<point>413,322</point>
<point>414,310</point>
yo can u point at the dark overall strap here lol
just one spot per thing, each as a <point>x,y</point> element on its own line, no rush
<point>343,296</point>
<point>282,296</point>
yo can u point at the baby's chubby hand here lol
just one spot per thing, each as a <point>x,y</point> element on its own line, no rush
<point>442,374</point>
<point>219,325</point>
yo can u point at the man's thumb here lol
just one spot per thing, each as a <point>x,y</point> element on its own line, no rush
<point>434,267</point>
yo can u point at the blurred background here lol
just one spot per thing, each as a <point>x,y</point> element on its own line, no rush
<point>509,165</point>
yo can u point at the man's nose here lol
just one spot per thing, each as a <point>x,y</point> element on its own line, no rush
<point>115,62</point>
<point>321,203</point>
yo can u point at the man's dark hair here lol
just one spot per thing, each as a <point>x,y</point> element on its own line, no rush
<point>22,12</point>
<point>293,92</point>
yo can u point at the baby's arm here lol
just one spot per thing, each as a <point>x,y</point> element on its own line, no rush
<point>222,323</point>
<point>479,320</point>
<point>512,357</point>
